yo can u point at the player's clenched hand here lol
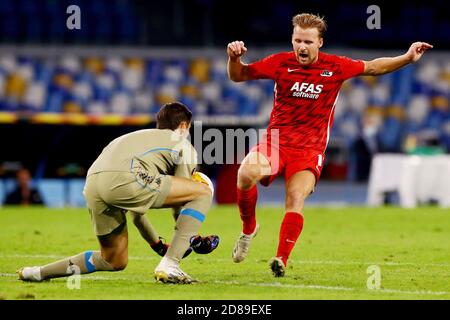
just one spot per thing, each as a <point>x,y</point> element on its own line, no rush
<point>417,49</point>
<point>236,49</point>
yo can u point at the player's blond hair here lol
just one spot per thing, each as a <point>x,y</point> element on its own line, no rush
<point>309,20</point>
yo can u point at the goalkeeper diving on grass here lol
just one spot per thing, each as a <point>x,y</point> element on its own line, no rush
<point>150,168</point>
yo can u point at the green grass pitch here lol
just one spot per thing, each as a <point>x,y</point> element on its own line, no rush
<point>330,261</point>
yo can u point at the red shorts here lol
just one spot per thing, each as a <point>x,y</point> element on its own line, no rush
<point>288,161</point>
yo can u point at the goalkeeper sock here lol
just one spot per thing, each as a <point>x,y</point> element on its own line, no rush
<point>188,223</point>
<point>246,200</point>
<point>290,230</point>
<point>86,262</point>
<point>187,226</point>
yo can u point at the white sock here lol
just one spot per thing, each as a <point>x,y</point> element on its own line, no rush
<point>32,273</point>
<point>167,262</point>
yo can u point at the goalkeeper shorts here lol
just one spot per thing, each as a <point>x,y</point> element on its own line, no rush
<point>109,195</point>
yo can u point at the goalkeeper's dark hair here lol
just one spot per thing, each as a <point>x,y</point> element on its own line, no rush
<point>171,115</point>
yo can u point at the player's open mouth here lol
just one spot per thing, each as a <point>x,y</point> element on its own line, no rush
<point>303,56</point>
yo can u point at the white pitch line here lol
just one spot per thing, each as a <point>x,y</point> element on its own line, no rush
<point>384,263</point>
<point>272,285</point>
<point>8,275</point>
<point>280,285</point>
<point>318,262</point>
<point>331,288</point>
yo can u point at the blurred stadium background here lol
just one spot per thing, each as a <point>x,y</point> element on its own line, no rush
<point>64,94</point>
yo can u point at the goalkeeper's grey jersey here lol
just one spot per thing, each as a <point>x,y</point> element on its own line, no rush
<point>149,150</point>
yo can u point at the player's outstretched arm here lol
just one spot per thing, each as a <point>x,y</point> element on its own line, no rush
<point>146,229</point>
<point>237,71</point>
<point>381,66</point>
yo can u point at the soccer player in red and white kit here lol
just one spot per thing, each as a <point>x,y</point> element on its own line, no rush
<point>307,83</point>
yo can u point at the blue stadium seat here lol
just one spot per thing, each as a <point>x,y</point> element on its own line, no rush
<point>436,119</point>
<point>390,135</point>
<point>189,102</point>
<point>402,85</point>
<point>247,106</point>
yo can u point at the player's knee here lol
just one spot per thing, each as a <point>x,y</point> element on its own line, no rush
<point>117,260</point>
<point>201,205</point>
<point>203,191</point>
<point>204,198</point>
<point>296,197</point>
<point>248,174</point>
<point>119,263</point>
<point>205,202</point>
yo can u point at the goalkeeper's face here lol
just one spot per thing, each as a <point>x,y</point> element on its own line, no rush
<point>306,44</point>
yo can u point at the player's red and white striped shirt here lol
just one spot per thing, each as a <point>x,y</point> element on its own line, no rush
<point>305,96</point>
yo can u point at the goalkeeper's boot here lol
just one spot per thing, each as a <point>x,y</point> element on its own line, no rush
<point>204,245</point>
<point>278,267</point>
<point>32,274</point>
<point>161,248</point>
<point>168,271</point>
<point>242,245</point>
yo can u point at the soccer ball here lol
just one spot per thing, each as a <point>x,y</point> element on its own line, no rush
<point>203,178</point>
